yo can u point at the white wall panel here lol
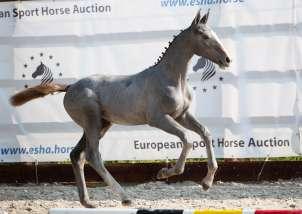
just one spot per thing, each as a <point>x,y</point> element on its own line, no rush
<point>259,98</point>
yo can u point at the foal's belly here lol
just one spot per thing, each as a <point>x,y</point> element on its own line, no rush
<point>124,109</point>
<point>124,118</point>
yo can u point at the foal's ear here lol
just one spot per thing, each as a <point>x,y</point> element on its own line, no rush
<point>205,18</point>
<point>198,19</point>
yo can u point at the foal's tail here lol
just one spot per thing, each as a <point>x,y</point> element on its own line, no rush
<point>35,92</point>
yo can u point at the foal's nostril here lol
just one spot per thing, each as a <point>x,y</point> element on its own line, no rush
<point>228,60</point>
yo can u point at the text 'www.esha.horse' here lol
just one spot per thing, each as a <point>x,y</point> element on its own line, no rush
<point>158,96</point>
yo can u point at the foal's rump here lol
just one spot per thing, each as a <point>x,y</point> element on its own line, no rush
<point>34,92</point>
<point>120,99</point>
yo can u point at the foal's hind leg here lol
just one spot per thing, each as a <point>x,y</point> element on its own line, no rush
<point>93,156</point>
<point>77,157</point>
<point>188,121</point>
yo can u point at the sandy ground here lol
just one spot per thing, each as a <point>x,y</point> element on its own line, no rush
<point>33,198</point>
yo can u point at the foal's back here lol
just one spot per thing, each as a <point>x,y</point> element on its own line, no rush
<point>121,99</point>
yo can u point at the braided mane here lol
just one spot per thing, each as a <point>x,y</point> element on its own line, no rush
<point>166,49</point>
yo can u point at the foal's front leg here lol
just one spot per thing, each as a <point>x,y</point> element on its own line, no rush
<point>188,121</point>
<point>168,124</point>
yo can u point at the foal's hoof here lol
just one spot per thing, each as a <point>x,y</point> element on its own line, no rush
<point>126,202</point>
<point>206,185</point>
<point>88,204</point>
<point>162,174</point>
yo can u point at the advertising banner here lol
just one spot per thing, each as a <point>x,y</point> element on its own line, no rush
<point>252,109</point>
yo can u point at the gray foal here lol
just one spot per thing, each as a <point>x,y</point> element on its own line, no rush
<point>158,96</point>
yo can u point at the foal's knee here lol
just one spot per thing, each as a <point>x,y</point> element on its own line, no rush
<point>206,134</point>
<point>184,137</point>
<point>213,167</point>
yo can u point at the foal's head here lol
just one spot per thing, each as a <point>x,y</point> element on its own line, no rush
<point>206,43</point>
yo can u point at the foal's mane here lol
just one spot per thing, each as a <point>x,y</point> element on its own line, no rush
<point>166,49</point>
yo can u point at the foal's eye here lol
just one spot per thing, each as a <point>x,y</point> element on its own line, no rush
<point>202,34</point>
<point>205,36</point>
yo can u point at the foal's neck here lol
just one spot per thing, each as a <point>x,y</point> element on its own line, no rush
<point>174,62</point>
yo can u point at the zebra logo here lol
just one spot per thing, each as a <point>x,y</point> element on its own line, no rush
<point>208,72</point>
<point>45,71</point>
<point>43,66</point>
<point>207,66</point>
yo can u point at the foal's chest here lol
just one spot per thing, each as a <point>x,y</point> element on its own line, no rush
<point>176,101</point>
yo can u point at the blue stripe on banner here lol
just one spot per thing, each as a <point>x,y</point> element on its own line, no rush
<point>166,211</point>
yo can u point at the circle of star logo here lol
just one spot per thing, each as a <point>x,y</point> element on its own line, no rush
<point>208,71</point>
<point>30,65</point>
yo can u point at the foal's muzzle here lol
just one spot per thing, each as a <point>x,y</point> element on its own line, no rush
<point>224,62</point>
